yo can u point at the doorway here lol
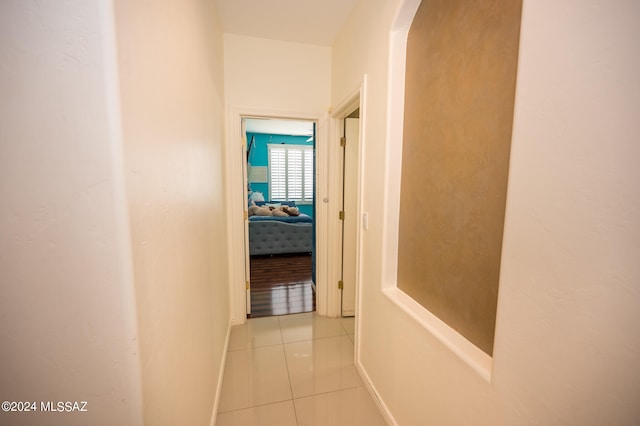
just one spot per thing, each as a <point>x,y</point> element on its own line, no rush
<point>349,214</point>
<point>279,192</point>
<point>348,122</point>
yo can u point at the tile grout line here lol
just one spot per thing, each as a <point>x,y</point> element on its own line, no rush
<point>331,391</point>
<point>283,344</point>
<point>251,349</point>
<point>295,413</point>
<point>254,347</point>
<point>264,404</point>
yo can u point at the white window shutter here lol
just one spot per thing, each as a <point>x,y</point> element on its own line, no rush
<point>291,173</point>
<point>278,174</point>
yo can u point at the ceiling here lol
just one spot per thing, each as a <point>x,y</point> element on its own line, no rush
<point>279,127</point>
<point>315,22</point>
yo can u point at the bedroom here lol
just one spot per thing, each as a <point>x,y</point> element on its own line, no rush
<point>280,231</point>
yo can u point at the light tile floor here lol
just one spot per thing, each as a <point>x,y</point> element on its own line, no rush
<point>294,370</point>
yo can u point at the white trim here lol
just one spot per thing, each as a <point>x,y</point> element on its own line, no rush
<point>223,363</point>
<point>458,344</point>
<point>350,103</point>
<point>235,204</point>
<point>468,352</point>
<point>356,99</point>
<point>368,384</point>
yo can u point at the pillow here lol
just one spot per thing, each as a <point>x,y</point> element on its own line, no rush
<point>276,203</point>
<point>256,196</point>
<point>284,203</point>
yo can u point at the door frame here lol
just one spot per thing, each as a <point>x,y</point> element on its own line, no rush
<point>354,100</point>
<point>235,153</point>
<point>350,169</point>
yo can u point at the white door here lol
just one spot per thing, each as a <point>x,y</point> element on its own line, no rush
<point>350,207</point>
<point>247,265</point>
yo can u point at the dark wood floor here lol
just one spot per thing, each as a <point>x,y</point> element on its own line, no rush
<point>281,284</point>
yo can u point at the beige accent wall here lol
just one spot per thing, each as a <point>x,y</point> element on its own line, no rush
<point>171,80</point>
<point>459,94</point>
<point>567,341</point>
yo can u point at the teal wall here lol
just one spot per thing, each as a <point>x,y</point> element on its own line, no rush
<point>259,156</point>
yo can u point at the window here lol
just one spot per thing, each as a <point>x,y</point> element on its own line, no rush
<point>291,173</point>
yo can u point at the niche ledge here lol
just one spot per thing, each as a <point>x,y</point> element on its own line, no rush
<point>473,356</point>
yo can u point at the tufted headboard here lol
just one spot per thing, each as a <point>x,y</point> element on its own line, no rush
<point>273,237</point>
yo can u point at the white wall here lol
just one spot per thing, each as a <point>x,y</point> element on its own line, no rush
<point>566,340</point>
<point>278,79</point>
<point>276,74</point>
<point>171,74</point>
<point>67,316</point>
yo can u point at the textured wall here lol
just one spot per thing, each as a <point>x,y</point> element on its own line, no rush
<point>460,89</point>
<point>276,74</point>
<point>171,74</point>
<point>567,341</point>
<point>67,315</point>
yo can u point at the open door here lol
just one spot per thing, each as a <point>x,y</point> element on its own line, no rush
<point>315,211</point>
<point>245,166</point>
<point>279,168</point>
<point>350,212</point>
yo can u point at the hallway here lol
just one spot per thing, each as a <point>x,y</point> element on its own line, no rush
<point>294,370</point>
<point>122,268</point>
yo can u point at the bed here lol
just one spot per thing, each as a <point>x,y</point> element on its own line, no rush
<point>270,235</point>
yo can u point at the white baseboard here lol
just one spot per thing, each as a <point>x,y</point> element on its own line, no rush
<point>374,395</point>
<point>216,403</point>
